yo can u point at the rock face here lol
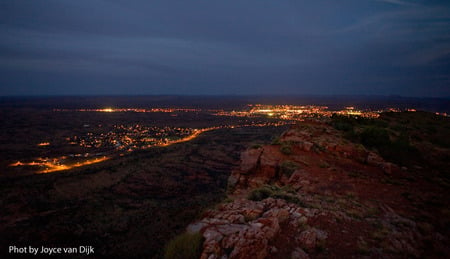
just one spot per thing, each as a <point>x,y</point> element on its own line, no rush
<point>314,194</point>
<point>258,166</point>
<point>298,253</point>
<point>247,229</point>
<point>310,238</point>
<point>263,165</point>
<point>314,141</point>
<point>250,159</point>
<point>376,160</point>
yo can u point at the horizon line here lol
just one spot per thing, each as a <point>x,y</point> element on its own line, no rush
<point>226,95</point>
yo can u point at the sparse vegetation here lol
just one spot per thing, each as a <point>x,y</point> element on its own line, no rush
<point>158,188</point>
<point>228,200</point>
<point>321,246</point>
<point>372,212</point>
<point>273,191</point>
<point>363,247</point>
<point>276,141</point>
<point>390,139</point>
<point>374,137</point>
<point>318,148</point>
<point>286,148</point>
<point>288,167</point>
<point>256,146</point>
<point>260,194</point>
<point>324,164</point>
<point>186,245</point>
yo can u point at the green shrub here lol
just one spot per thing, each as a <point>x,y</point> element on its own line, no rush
<point>344,126</point>
<point>401,152</point>
<point>186,245</point>
<point>324,164</point>
<point>286,149</point>
<point>288,167</point>
<point>276,141</point>
<point>289,198</point>
<point>260,194</point>
<point>256,146</point>
<point>347,123</point>
<point>344,123</point>
<point>318,148</point>
<point>286,193</point>
<point>375,137</point>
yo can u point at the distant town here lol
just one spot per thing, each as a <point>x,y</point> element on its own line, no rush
<point>122,139</point>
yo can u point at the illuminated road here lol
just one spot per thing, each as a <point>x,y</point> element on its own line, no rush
<point>57,164</point>
<point>54,165</point>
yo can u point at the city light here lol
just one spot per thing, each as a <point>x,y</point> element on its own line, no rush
<point>123,139</point>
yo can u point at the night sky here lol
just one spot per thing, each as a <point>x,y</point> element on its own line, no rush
<point>114,47</point>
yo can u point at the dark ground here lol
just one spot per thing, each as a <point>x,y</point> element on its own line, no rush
<point>129,206</point>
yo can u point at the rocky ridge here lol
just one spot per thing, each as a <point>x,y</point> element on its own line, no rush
<point>314,194</point>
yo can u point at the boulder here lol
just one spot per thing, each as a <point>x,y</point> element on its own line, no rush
<point>281,214</point>
<point>270,156</point>
<point>249,159</point>
<point>298,253</point>
<point>305,145</point>
<point>386,167</point>
<point>374,159</point>
<point>309,238</point>
<point>233,179</point>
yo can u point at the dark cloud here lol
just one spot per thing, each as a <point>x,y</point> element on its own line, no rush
<point>225,47</point>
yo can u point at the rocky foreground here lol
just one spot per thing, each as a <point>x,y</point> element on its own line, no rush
<point>312,193</point>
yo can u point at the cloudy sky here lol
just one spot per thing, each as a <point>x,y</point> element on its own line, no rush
<point>88,47</point>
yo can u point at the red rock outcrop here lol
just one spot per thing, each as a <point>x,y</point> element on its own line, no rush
<point>247,229</point>
<point>258,166</point>
<point>314,194</point>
